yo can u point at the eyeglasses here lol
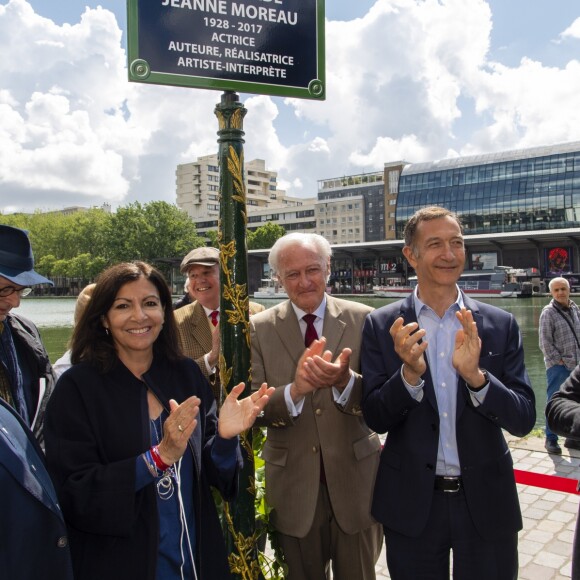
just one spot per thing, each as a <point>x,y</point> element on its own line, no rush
<point>9,290</point>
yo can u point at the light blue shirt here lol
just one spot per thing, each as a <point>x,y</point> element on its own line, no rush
<point>440,336</point>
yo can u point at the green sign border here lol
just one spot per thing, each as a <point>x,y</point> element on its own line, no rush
<point>139,70</point>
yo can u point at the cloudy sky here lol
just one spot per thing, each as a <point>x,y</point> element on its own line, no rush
<point>417,80</point>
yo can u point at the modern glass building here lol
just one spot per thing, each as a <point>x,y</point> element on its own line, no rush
<point>513,191</point>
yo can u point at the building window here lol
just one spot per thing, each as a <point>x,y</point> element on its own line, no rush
<point>393,181</point>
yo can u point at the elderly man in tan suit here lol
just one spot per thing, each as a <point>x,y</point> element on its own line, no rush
<point>321,458</point>
<point>198,322</point>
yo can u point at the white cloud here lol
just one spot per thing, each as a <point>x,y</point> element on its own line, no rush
<point>394,78</point>
<point>573,31</point>
<point>411,79</point>
<point>530,105</point>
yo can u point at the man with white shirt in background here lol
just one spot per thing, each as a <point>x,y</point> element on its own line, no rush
<point>198,322</point>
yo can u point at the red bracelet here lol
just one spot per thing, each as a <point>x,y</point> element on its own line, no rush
<point>161,465</point>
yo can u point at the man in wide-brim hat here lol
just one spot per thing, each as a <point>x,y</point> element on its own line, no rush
<point>26,376</point>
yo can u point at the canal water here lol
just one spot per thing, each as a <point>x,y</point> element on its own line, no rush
<point>54,317</point>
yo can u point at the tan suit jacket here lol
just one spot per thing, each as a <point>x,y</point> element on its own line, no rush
<point>293,446</point>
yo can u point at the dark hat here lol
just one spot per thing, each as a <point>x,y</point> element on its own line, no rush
<point>203,256</point>
<point>16,260</point>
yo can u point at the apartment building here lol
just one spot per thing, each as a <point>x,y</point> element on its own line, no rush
<point>198,187</point>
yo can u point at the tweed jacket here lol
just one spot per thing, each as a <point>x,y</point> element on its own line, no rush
<point>294,444</point>
<point>194,332</point>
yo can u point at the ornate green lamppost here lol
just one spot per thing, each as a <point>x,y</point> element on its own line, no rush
<point>234,363</point>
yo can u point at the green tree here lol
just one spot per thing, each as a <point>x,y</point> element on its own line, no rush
<point>82,244</point>
<point>212,236</point>
<point>45,265</point>
<point>16,220</point>
<point>265,236</point>
<point>95,267</point>
<point>88,231</point>
<point>157,232</point>
<point>60,268</point>
<point>63,236</point>
<point>80,267</point>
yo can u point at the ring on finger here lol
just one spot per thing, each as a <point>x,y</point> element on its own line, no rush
<point>180,428</point>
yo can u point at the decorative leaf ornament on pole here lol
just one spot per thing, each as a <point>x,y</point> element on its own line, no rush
<point>234,359</point>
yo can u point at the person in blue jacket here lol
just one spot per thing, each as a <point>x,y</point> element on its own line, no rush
<point>443,375</point>
<point>33,535</point>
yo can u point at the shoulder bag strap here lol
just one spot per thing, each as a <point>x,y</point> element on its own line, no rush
<point>567,322</point>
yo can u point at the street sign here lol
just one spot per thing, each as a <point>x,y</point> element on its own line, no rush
<point>271,47</point>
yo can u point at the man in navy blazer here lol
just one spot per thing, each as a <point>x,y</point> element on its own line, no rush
<point>33,536</point>
<point>442,376</point>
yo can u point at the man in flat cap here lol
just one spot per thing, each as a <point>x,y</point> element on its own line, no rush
<point>26,375</point>
<point>198,322</point>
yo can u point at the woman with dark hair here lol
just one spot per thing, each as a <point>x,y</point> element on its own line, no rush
<point>133,442</point>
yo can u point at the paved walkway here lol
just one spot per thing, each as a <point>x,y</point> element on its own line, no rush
<point>545,543</point>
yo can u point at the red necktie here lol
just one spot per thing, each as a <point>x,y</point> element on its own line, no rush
<point>214,317</point>
<point>310,336</point>
<point>311,333</point>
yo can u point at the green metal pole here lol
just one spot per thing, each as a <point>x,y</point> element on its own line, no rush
<point>234,363</point>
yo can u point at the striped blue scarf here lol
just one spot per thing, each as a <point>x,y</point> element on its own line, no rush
<point>9,360</point>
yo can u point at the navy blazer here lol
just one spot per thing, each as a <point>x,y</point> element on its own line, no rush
<point>33,536</point>
<point>405,481</point>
